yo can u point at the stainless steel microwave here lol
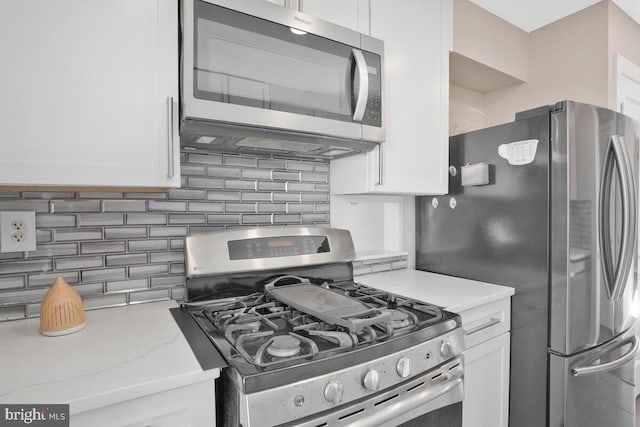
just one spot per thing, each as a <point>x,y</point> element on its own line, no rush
<point>258,77</point>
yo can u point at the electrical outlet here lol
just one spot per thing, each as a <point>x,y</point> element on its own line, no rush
<point>17,231</point>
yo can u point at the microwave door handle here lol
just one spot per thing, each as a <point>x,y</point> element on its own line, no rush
<point>362,79</point>
<point>628,232</point>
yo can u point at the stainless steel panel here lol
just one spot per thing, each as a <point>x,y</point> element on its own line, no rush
<point>584,312</point>
<point>498,233</point>
<point>200,117</point>
<point>604,398</point>
<point>202,256</point>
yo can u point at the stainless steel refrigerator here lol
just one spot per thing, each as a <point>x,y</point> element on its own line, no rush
<point>547,204</point>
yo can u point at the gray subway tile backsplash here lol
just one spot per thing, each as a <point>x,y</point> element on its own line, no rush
<point>47,279</point>
<point>125,233</point>
<point>155,206</point>
<point>205,182</point>
<point>12,313</point>
<point>223,172</point>
<point>206,207</point>
<point>77,234</point>
<point>148,296</point>
<point>181,194</point>
<point>85,220</point>
<point>148,270</point>
<point>103,274</point>
<point>32,266</point>
<point>148,245</point>
<point>245,162</point>
<point>79,262</point>
<point>127,285</point>
<point>127,247</point>
<point>207,159</point>
<point>55,221</point>
<point>101,247</point>
<point>224,196</point>
<point>146,219</point>
<point>76,205</point>
<point>127,259</point>
<point>124,206</point>
<point>168,232</point>
<point>9,282</point>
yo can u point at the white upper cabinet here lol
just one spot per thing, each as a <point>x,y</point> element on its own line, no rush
<point>89,93</point>
<point>414,157</point>
<point>352,14</point>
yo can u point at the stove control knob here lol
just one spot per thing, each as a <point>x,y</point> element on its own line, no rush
<point>446,350</point>
<point>403,367</point>
<point>371,380</point>
<point>333,391</point>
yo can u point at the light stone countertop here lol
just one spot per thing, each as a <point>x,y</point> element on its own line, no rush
<point>123,353</point>
<point>453,293</point>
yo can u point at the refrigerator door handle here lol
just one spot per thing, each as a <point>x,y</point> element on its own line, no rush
<point>616,278</point>
<point>628,190</point>
<point>608,366</point>
<point>604,208</point>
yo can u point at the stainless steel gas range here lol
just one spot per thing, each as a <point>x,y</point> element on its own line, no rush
<point>307,346</point>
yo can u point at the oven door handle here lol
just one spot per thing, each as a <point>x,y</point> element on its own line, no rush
<point>410,403</point>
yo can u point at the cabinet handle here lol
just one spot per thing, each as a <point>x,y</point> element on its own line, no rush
<point>489,324</point>
<point>171,170</point>
<point>380,170</point>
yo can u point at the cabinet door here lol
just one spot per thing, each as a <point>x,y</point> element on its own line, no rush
<point>85,87</point>
<point>352,14</point>
<point>414,157</point>
<point>192,405</point>
<point>486,384</point>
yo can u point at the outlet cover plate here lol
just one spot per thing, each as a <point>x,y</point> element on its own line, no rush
<point>17,231</point>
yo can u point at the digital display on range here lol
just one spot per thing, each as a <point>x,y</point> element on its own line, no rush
<point>272,247</point>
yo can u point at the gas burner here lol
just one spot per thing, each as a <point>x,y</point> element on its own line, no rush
<point>275,349</point>
<point>399,319</point>
<point>284,346</point>
<point>248,320</point>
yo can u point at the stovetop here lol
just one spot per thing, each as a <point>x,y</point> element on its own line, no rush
<point>280,304</point>
<point>259,334</point>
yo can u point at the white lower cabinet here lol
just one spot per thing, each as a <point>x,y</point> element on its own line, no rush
<point>188,406</point>
<point>486,365</point>
<point>486,384</point>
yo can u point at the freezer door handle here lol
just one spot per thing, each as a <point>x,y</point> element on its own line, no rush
<point>589,369</point>
<point>616,277</point>
<point>628,233</point>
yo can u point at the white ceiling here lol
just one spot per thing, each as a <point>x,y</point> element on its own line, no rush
<point>530,15</point>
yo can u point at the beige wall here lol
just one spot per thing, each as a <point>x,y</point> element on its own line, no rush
<point>573,58</point>
<point>566,61</point>
<point>624,39</point>
<point>487,39</point>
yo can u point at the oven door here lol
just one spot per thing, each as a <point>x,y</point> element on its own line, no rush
<point>248,63</point>
<point>432,399</point>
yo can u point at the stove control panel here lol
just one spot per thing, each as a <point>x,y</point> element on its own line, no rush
<point>325,392</point>
<point>279,246</point>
